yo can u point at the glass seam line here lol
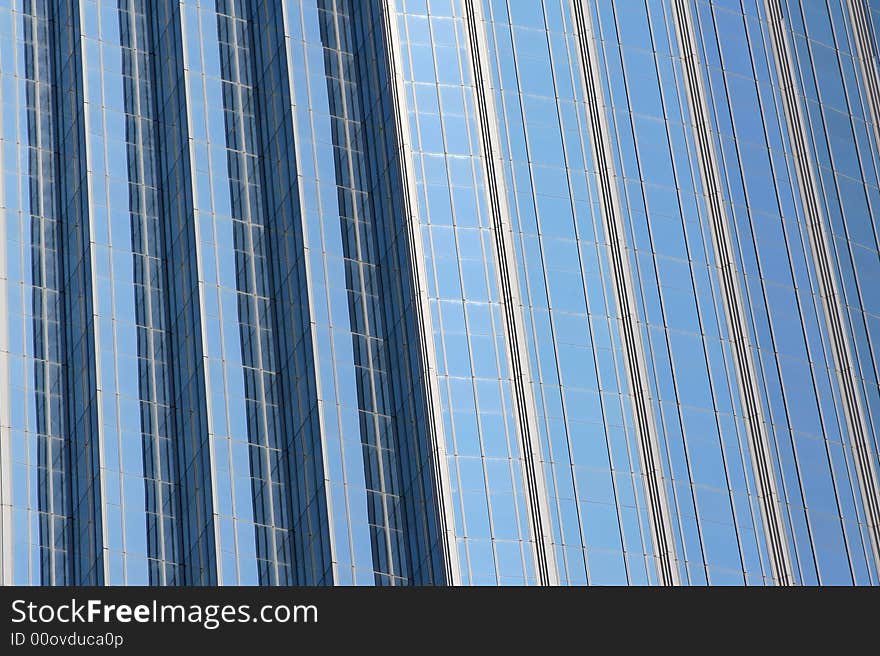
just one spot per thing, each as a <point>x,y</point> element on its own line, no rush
<point>70,145</point>
<point>866,58</point>
<point>828,286</point>
<point>622,283</point>
<point>426,350</point>
<point>755,421</point>
<point>514,329</point>
<point>6,500</point>
<point>190,488</point>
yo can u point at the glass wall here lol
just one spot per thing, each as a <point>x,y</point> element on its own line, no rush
<point>369,292</point>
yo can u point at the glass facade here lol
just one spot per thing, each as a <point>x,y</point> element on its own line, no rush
<point>439,292</point>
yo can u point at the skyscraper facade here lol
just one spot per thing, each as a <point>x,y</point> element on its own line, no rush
<point>439,292</point>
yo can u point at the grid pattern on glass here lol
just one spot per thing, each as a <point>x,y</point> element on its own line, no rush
<point>339,350</point>
<point>514,329</point>
<point>599,519</point>
<point>406,348</point>
<point>634,360</point>
<point>253,278</point>
<point>33,311</point>
<point>485,463</point>
<point>861,18</point>
<point>711,490</point>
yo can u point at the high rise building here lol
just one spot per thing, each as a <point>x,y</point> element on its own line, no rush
<point>395,292</point>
